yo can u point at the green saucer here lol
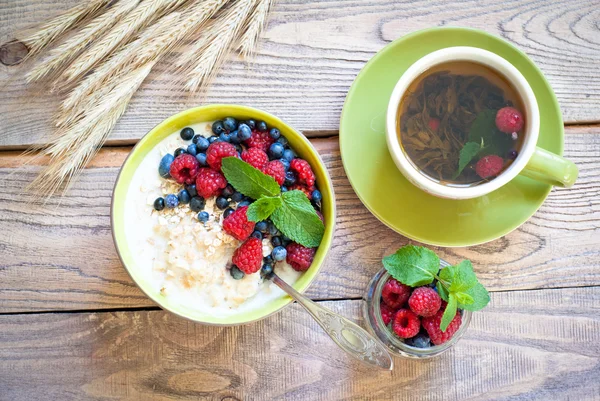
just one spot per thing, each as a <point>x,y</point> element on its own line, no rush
<point>384,190</point>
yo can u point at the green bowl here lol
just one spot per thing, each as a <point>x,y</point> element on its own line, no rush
<point>175,123</point>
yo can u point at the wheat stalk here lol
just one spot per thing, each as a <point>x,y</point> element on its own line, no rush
<point>154,42</point>
<point>201,63</point>
<point>76,144</point>
<point>48,32</point>
<point>254,27</point>
<point>142,16</point>
<point>74,45</point>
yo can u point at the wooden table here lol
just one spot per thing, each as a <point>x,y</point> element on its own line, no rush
<point>73,325</point>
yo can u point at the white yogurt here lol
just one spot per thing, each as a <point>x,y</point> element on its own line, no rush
<point>186,259</point>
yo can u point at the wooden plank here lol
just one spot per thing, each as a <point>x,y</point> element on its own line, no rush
<point>313,50</point>
<point>61,257</point>
<point>527,345</point>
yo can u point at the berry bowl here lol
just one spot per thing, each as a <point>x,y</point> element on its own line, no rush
<point>180,214</point>
<point>419,347</point>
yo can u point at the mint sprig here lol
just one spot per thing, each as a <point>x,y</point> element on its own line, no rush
<point>416,266</point>
<point>291,211</point>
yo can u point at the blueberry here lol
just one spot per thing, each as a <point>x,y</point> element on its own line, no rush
<point>159,204</point>
<point>192,149</point>
<point>202,144</point>
<point>266,271</point>
<point>290,178</point>
<point>244,203</point>
<point>192,190</point>
<point>272,229</point>
<point>218,128</point>
<point>225,137</point>
<point>284,188</point>
<point>262,126</point>
<point>244,132</point>
<point>276,241</point>
<point>283,140</point>
<point>285,163</point>
<point>165,166</point>
<point>222,202</point>
<point>239,149</point>
<point>268,260</point>
<point>212,139</point>
<point>261,226</point>
<point>237,197</point>
<point>257,234</point>
<point>234,138</point>
<point>285,240</point>
<point>230,124</point>
<point>316,196</point>
<point>187,133</point>
<point>171,201</point>
<point>421,340</point>
<point>203,217</point>
<point>227,212</point>
<point>512,154</point>
<point>276,151</point>
<point>184,196</point>
<point>289,155</point>
<point>236,273</point>
<point>179,151</point>
<point>279,253</point>
<point>228,191</point>
<point>197,203</point>
<point>274,133</point>
<point>201,157</point>
<point>251,124</point>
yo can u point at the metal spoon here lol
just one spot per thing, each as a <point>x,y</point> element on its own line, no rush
<point>347,335</point>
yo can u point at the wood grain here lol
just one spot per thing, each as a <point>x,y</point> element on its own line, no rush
<point>527,345</point>
<point>61,257</point>
<point>313,50</point>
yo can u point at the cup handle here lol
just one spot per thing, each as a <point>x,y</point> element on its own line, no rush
<point>550,168</point>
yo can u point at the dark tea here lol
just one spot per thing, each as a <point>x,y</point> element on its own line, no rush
<point>461,123</point>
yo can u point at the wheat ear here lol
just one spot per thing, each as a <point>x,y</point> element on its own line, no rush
<point>254,27</point>
<point>153,42</point>
<point>51,30</point>
<point>74,45</point>
<point>142,16</point>
<point>201,63</point>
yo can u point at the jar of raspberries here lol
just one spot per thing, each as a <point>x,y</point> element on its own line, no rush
<point>407,319</point>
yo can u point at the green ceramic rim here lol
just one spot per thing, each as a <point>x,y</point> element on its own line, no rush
<point>175,123</point>
<point>373,86</point>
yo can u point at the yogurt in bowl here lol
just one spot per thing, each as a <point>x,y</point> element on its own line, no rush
<point>183,261</point>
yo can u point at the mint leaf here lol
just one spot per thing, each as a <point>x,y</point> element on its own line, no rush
<point>249,180</point>
<point>480,296</point>
<point>463,298</point>
<point>484,129</point>
<point>460,277</point>
<point>263,208</point>
<point>467,153</point>
<point>412,265</point>
<point>449,313</point>
<point>442,291</point>
<point>297,219</point>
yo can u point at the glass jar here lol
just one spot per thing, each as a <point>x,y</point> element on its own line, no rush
<point>376,326</point>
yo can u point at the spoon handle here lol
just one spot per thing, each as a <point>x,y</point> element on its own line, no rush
<point>347,335</point>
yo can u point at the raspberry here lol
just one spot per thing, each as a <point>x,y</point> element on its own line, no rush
<point>217,151</point>
<point>237,224</point>
<point>434,124</point>
<point>303,172</point>
<point>509,120</point>
<point>406,324</point>
<point>307,191</point>
<point>259,139</point>
<point>424,301</point>
<point>300,257</point>
<point>184,169</point>
<point>489,166</point>
<point>209,182</point>
<point>248,257</point>
<point>276,170</point>
<point>255,157</point>
<point>387,313</point>
<point>432,325</point>
<point>395,294</point>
